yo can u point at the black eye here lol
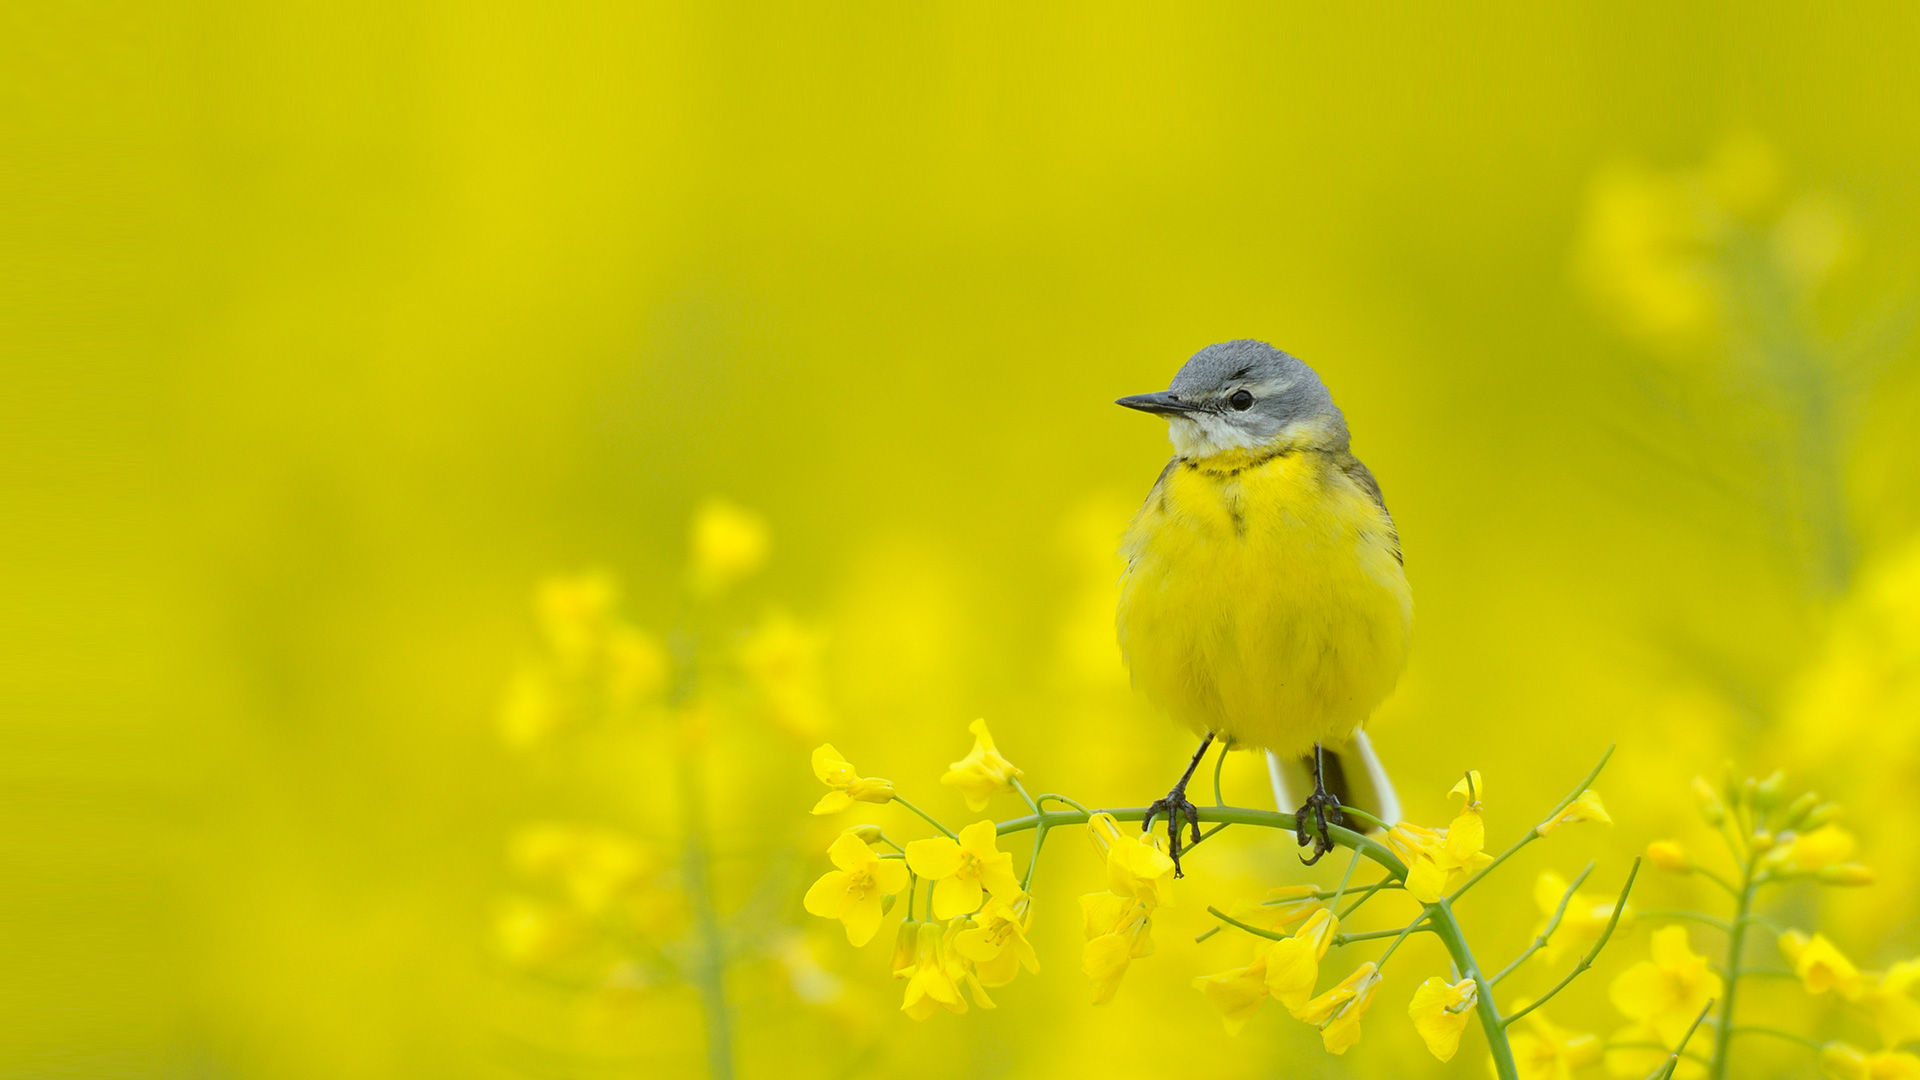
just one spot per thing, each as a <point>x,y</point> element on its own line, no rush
<point>1241,400</point>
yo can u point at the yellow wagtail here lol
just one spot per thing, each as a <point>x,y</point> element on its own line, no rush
<point>1264,602</point>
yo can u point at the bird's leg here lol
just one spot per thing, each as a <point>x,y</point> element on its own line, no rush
<point>1176,807</point>
<point>1321,807</point>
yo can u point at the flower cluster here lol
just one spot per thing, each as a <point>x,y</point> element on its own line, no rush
<point>1119,921</point>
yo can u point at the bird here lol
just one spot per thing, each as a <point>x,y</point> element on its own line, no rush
<point>1265,601</point>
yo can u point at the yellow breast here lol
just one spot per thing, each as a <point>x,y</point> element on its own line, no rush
<point>1264,599</point>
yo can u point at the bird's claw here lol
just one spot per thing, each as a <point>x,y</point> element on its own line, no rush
<point>1324,809</point>
<point>1176,807</point>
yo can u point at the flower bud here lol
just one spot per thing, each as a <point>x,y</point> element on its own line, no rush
<point>906,946</point>
<point>1711,808</point>
<point>1796,812</point>
<point>1846,874</point>
<point>1670,856</point>
<point>1820,815</point>
<point>867,833</point>
<point>1762,841</point>
<point>1843,1062</point>
<point>886,903</point>
<point>1766,794</point>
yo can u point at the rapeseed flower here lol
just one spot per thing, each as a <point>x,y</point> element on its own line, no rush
<point>846,786</point>
<point>1812,851</point>
<point>1546,1051</point>
<point>1119,930</point>
<point>1237,993</point>
<point>853,893</point>
<point>1137,862</point>
<point>996,945</point>
<point>1821,965</point>
<point>1337,1012</point>
<point>1665,992</point>
<point>1838,1061</point>
<point>983,772</point>
<point>1440,1011</point>
<point>1293,965</point>
<point>728,544</point>
<point>963,871</point>
<point>1889,998</point>
<point>1587,807</point>
<point>1668,855</point>
<point>930,980</point>
<point>1434,866</point>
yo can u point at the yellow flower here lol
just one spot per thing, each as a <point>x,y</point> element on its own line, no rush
<point>997,946</point>
<point>1137,862</point>
<point>962,870</point>
<point>847,788</point>
<point>1668,855</point>
<point>1239,992</point>
<point>1666,992</point>
<point>1587,807</point>
<point>1337,1012</point>
<point>575,614</point>
<point>1546,1051</point>
<point>930,981</point>
<point>1119,930</point>
<point>1434,865</point>
<point>906,947</point>
<point>1889,998</point>
<point>728,544</point>
<point>1812,851</point>
<point>595,866</point>
<point>983,771</point>
<point>853,892</point>
<point>1821,965</point>
<point>1293,965</point>
<point>1284,909</point>
<point>1440,1011</point>
<point>637,664</point>
<point>1584,922</point>
<point>1839,1061</point>
<point>781,660</point>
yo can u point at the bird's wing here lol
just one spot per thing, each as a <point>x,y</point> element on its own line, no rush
<point>1362,478</point>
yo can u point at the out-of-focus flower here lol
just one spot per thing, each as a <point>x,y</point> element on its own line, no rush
<point>983,772</point>
<point>594,866</point>
<point>1137,862</point>
<point>1238,992</point>
<point>728,544</point>
<point>637,665</point>
<point>1337,1012</point>
<point>1119,930</point>
<point>853,892</point>
<point>1712,809</point>
<point>1440,1011</point>
<point>1670,856</point>
<point>1667,991</point>
<point>1812,851</point>
<point>1587,807</point>
<point>781,660</point>
<point>1637,1050</point>
<point>1821,965</point>
<point>527,932</point>
<point>963,871</point>
<point>846,786</point>
<point>1643,253</point>
<point>1293,965</point>
<point>1889,998</point>
<point>1838,1061</point>
<point>930,980</point>
<point>811,983</point>
<point>1546,1051</point>
<point>1585,920</point>
<point>575,614</point>
<point>532,709</point>
<point>997,945</point>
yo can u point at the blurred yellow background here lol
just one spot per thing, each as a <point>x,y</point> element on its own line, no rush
<point>338,329</point>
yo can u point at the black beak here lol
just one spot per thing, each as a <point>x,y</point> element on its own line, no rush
<point>1160,404</point>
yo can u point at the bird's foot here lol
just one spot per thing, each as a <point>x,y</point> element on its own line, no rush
<point>1177,809</point>
<point>1322,809</point>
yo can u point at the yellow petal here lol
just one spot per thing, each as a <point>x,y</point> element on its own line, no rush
<point>828,897</point>
<point>1426,881</point>
<point>862,919</point>
<point>1440,1011</point>
<point>832,769</point>
<point>1292,970</point>
<point>1587,807</point>
<point>833,802</point>
<point>935,857</point>
<point>978,838</point>
<point>1466,836</point>
<point>1237,994</point>
<point>1640,991</point>
<point>889,875</point>
<point>1469,788</point>
<point>955,896</point>
<point>849,852</point>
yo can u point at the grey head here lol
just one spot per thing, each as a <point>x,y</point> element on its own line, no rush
<point>1245,395</point>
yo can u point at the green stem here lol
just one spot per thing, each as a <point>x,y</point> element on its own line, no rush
<point>1270,935</point>
<point>1352,865</point>
<point>1400,936</point>
<point>1700,917</point>
<point>710,971</point>
<point>1665,1071</point>
<point>1587,960</point>
<point>1235,815</point>
<point>1754,1029</point>
<point>1218,765</point>
<point>1021,788</point>
<point>1540,940</point>
<point>1033,860</point>
<point>1534,833</point>
<point>1447,928</point>
<point>1059,798</point>
<point>931,820</point>
<point>1385,883</point>
<point>1736,945</point>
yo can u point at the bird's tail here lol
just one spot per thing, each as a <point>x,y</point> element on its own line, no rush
<point>1354,775</point>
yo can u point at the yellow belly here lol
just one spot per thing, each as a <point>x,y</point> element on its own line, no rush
<point>1267,605</point>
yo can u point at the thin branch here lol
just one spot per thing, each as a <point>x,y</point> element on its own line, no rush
<point>931,820</point>
<point>1022,789</point>
<point>1270,935</point>
<point>1587,960</point>
<point>1754,1029</point>
<point>1665,1071</point>
<point>1534,833</point>
<point>1540,941</point>
<point>1700,917</point>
